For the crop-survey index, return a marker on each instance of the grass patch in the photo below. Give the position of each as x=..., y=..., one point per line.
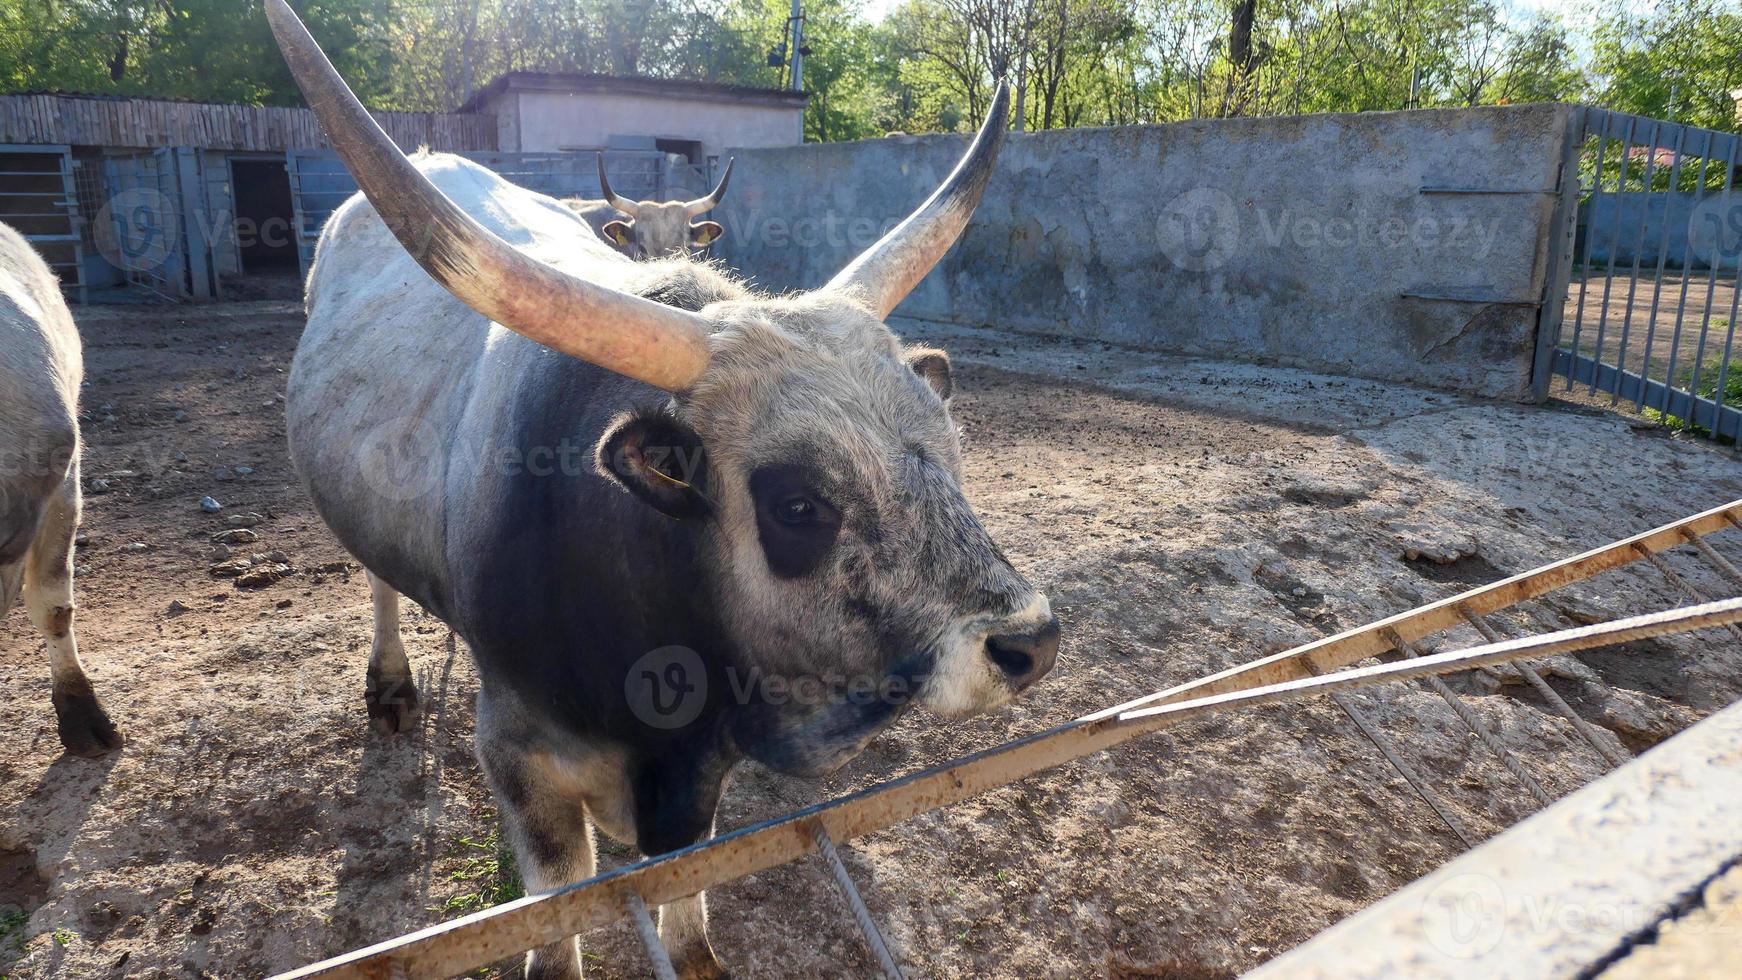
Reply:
x=487, y=875
x=1707, y=388
x=12, y=922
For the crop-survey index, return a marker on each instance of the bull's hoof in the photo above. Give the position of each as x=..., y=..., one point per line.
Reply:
x=394, y=705
x=700, y=966
x=85, y=728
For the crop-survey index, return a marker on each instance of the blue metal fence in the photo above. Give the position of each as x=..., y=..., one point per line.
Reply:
x=1644, y=304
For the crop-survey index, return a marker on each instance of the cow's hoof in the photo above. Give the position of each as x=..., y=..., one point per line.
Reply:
x=85, y=728
x=700, y=966
x=394, y=705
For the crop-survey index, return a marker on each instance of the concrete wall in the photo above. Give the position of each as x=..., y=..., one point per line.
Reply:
x=1702, y=230
x=542, y=122
x=1293, y=240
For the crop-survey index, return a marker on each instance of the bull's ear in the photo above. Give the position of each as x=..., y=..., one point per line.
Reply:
x=616, y=231
x=933, y=366
x=659, y=459
x=706, y=232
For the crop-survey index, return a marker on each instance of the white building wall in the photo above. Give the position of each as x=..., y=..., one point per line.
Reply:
x=554, y=121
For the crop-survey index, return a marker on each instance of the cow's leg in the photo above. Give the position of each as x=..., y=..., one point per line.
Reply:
x=674, y=808
x=683, y=928
x=544, y=814
x=85, y=728
x=390, y=694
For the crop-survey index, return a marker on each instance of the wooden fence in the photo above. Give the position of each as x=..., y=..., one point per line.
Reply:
x=102, y=121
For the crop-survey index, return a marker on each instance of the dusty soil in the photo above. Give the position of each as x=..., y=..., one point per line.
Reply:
x=1627, y=313
x=1185, y=515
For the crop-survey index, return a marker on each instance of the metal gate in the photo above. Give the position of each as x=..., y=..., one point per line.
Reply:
x=38, y=199
x=319, y=182
x=140, y=228
x=1643, y=304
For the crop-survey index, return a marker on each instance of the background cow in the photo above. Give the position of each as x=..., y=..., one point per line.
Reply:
x=41, y=368
x=761, y=548
x=655, y=229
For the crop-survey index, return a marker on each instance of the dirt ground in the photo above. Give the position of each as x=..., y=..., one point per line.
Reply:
x=1643, y=312
x=1184, y=515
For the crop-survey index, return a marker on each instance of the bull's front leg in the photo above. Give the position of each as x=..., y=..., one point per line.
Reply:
x=675, y=799
x=544, y=814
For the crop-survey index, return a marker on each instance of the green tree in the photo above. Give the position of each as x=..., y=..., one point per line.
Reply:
x=1680, y=60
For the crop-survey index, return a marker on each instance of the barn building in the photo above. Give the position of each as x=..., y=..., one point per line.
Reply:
x=194, y=200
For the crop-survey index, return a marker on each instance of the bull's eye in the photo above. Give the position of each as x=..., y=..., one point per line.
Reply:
x=796, y=511
x=797, y=527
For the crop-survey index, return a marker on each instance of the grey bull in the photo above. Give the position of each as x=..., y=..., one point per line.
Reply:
x=655, y=229
x=41, y=369
x=678, y=524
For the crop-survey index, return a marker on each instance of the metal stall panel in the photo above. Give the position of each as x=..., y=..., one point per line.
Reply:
x=142, y=227
x=39, y=200
x=319, y=182
x=1650, y=267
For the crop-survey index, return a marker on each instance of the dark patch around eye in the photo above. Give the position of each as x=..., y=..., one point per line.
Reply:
x=795, y=539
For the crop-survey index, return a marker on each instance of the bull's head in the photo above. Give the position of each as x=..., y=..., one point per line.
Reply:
x=836, y=544
x=658, y=229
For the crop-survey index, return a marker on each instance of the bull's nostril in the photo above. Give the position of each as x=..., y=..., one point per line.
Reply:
x=1025, y=657
x=1011, y=654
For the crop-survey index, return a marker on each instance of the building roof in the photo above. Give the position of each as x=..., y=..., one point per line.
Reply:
x=663, y=88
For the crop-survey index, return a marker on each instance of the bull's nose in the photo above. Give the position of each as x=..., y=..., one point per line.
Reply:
x=1025, y=657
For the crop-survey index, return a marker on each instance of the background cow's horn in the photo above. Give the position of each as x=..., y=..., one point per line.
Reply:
x=632, y=336
x=886, y=272
x=704, y=204
x=622, y=204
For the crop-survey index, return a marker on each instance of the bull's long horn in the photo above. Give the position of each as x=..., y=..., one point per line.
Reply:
x=632, y=336
x=886, y=272
x=703, y=204
x=622, y=204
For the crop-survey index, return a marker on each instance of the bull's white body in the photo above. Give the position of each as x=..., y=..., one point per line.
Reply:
x=392, y=368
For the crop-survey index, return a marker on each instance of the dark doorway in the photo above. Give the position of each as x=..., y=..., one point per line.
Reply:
x=690, y=150
x=264, y=233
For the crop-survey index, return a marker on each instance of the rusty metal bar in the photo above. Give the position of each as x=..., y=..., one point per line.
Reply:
x=1692, y=591
x=1434, y=801
x=1717, y=561
x=1473, y=722
x=861, y=914
x=1617, y=756
x=484, y=937
x=1365, y=641
x=649, y=933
